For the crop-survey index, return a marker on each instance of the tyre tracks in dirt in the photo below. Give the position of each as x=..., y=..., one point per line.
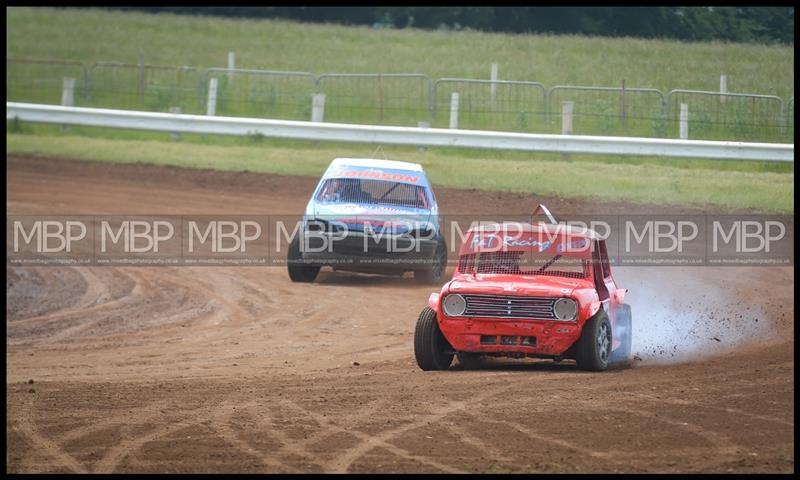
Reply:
x=188, y=369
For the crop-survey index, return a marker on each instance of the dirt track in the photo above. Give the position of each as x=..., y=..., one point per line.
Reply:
x=221, y=369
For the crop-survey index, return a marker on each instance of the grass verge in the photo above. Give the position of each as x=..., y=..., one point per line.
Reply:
x=581, y=177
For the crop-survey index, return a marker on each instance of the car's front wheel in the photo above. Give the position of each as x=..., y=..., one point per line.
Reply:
x=594, y=346
x=298, y=271
x=431, y=349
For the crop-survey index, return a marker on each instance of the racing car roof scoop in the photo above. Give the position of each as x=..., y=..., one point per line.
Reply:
x=541, y=209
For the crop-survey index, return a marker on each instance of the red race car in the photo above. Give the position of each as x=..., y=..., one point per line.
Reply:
x=540, y=290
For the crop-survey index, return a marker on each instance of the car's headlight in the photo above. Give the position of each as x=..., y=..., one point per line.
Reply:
x=565, y=309
x=454, y=305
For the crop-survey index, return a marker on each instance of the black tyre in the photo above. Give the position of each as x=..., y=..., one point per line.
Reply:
x=298, y=271
x=432, y=350
x=623, y=331
x=470, y=360
x=435, y=272
x=594, y=346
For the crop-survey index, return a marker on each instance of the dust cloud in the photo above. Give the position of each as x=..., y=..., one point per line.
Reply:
x=679, y=316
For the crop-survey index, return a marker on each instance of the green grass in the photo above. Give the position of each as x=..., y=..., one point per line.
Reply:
x=166, y=39
x=95, y=35
x=532, y=174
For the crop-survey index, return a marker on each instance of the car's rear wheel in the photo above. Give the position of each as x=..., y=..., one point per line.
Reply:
x=435, y=272
x=623, y=331
x=431, y=349
x=298, y=271
x=594, y=349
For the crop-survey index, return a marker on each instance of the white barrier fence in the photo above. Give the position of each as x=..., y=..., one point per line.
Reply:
x=430, y=137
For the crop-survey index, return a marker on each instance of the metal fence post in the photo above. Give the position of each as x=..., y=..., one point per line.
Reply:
x=493, y=86
x=454, y=110
x=68, y=93
x=380, y=97
x=231, y=63
x=431, y=101
x=422, y=124
x=68, y=96
x=684, y=129
x=318, y=107
x=624, y=115
x=547, y=108
x=723, y=88
x=211, y=106
x=566, y=118
x=202, y=95
x=175, y=135
x=141, y=81
x=566, y=124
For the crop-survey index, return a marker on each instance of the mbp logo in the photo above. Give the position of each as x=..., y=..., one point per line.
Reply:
x=663, y=236
x=137, y=240
x=225, y=240
x=235, y=235
x=749, y=236
x=48, y=236
x=396, y=236
x=49, y=240
x=662, y=240
x=137, y=236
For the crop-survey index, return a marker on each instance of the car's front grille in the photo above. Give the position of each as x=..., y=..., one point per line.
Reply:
x=500, y=306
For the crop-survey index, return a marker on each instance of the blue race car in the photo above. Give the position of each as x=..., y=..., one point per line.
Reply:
x=370, y=216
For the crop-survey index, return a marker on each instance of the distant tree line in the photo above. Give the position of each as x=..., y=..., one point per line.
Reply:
x=736, y=24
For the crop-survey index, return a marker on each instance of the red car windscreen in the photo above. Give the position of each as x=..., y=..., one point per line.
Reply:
x=517, y=252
